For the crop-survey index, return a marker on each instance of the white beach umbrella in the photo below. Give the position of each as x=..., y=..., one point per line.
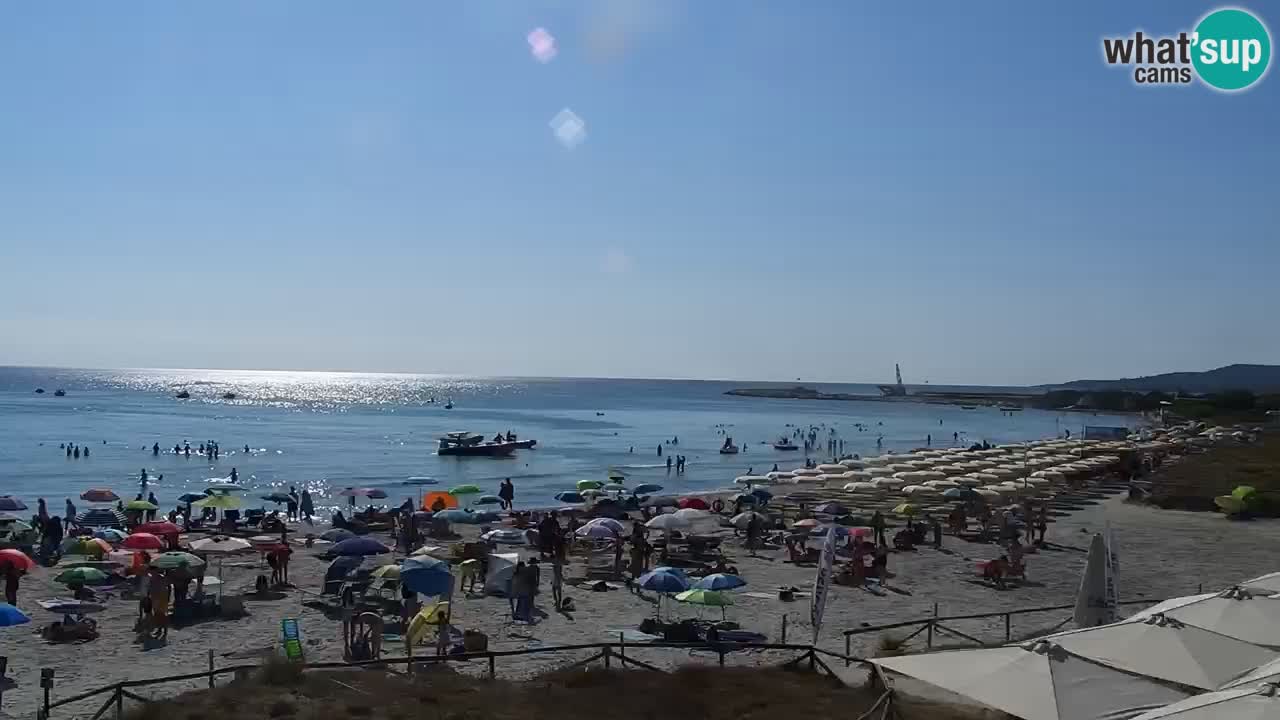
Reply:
x=752, y=480
x=779, y=475
x=806, y=471
x=879, y=472
x=1166, y=649
x=951, y=469
x=985, y=477
x=888, y=482
x=860, y=474
x=860, y=486
x=942, y=484
x=878, y=461
x=853, y=464
x=988, y=493
x=967, y=480
x=693, y=515
x=667, y=522
x=900, y=467
x=1236, y=613
x=1035, y=681
x=829, y=468
x=914, y=490
x=1263, y=583
x=1251, y=702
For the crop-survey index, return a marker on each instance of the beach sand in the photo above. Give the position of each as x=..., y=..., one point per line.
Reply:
x=1161, y=553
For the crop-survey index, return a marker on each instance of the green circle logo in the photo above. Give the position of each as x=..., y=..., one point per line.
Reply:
x=1232, y=49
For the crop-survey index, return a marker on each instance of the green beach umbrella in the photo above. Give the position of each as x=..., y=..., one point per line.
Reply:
x=708, y=598
x=82, y=575
x=590, y=484
x=171, y=560
x=465, y=490
x=140, y=505
x=219, y=502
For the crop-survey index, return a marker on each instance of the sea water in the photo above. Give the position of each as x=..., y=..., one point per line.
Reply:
x=330, y=431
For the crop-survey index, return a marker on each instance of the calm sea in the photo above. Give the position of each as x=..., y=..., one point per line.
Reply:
x=329, y=431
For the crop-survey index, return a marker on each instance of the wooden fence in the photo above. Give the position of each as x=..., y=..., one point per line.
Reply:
x=606, y=653
x=934, y=625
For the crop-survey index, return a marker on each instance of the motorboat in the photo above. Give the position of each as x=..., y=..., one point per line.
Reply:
x=784, y=443
x=462, y=437
x=448, y=405
x=968, y=407
x=228, y=396
x=39, y=391
x=59, y=393
x=728, y=448
x=183, y=395
x=1010, y=408
x=484, y=449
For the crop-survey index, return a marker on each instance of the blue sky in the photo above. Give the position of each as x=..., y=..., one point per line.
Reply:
x=767, y=190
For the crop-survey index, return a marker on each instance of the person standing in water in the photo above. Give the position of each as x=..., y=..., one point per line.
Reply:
x=306, y=507
x=235, y=475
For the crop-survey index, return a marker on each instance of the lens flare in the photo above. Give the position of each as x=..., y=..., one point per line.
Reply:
x=542, y=45
x=569, y=129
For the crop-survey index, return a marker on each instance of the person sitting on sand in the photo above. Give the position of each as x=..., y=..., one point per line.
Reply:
x=996, y=570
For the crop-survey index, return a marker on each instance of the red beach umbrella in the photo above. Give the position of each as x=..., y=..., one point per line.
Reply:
x=143, y=541
x=696, y=503
x=159, y=527
x=16, y=558
x=99, y=495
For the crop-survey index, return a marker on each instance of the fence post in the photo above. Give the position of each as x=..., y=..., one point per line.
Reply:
x=210, y=669
x=784, y=628
x=847, y=650
x=119, y=703
x=608, y=655
x=929, y=628
x=46, y=683
x=720, y=652
x=1008, y=627
x=622, y=648
x=4, y=667
x=493, y=670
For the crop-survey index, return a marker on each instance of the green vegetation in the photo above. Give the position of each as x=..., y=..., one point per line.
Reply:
x=1194, y=481
x=439, y=693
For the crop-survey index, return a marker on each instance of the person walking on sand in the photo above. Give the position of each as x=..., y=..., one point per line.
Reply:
x=877, y=524
x=11, y=576
x=507, y=494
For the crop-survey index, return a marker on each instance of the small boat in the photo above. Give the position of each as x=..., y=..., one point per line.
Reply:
x=1009, y=408
x=487, y=449
x=968, y=407
x=228, y=396
x=183, y=395
x=59, y=393
x=524, y=444
x=39, y=391
x=784, y=443
x=462, y=437
x=448, y=405
x=728, y=448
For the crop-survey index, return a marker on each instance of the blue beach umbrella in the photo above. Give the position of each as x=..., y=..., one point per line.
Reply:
x=191, y=497
x=570, y=497
x=746, y=499
x=426, y=575
x=663, y=582
x=111, y=535
x=962, y=493
x=11, y=504
x=830, y=508
x=762, y=495
x=719, y=581
x=646, y=489
x=337, y=535
x=10, y=616
x=358, y=546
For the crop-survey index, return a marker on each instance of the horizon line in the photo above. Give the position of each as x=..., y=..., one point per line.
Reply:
x=508, y=377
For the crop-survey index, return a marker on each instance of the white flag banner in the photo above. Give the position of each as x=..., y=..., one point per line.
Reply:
x=822, y=582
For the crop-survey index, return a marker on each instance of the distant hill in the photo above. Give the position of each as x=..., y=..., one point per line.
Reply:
x=1258, y=378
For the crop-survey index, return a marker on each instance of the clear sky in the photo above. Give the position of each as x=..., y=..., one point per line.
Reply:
x=766, y=190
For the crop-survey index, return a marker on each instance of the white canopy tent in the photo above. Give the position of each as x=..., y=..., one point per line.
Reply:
x=1269, y=673
x=1036, y=681
x=1265, y=583
x=1165, y=649
x=1235, y=613
x=1257, y=702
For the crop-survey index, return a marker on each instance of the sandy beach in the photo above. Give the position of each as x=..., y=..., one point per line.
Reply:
x=1162, y=554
